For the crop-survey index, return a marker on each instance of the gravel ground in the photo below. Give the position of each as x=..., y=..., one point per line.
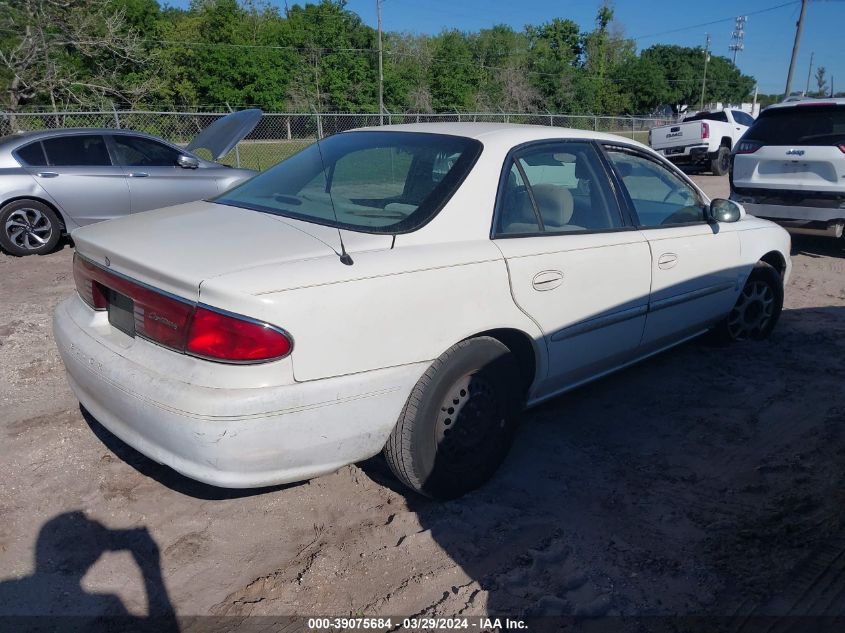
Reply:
x=709, y=480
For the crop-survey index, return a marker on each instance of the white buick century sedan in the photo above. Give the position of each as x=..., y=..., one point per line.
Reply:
x=406, y=289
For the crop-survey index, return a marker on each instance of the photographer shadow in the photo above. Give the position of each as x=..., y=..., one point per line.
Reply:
x=68, y=545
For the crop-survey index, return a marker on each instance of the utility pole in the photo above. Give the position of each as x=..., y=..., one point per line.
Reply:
x=736, y=44
x=798, y=27
x=809, y=72
x=380, y=68
x=706, y=61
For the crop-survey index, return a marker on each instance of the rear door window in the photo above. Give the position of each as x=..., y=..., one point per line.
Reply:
x=557, y=188
x=77, y=151
x=32, y=155
x=800, y=125
x=743, y=118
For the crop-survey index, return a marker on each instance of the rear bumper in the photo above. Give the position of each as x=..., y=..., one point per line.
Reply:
x=233, y=438
x=686, y=154
x=781, y=212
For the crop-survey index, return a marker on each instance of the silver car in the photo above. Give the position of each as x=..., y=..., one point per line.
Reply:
x=54, y=181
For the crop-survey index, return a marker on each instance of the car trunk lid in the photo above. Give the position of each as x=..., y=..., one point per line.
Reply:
x=177, y=248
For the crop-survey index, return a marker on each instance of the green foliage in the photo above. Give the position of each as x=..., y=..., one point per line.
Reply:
x=322, y=56
x=684, y=68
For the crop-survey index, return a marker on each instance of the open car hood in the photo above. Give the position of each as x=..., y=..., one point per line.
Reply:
x=220, y=137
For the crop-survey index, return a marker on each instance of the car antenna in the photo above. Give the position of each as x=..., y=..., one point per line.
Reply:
x=345, y=258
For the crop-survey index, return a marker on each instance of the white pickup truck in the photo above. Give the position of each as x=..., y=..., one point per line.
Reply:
x=704, y=139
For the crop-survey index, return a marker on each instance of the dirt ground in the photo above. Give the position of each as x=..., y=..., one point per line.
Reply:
x=709, y=480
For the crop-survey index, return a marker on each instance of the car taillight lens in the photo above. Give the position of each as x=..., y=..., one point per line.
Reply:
x=842, y=148
x=747, y=147
x=89, y=290
x=230, y=338
x=705, y=130
x=182, y=325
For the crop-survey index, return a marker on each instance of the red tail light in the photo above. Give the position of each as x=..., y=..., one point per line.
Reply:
x=842, y=148
x=182, y=325
x=747, y=147
x=225, y=337
x=705, y=129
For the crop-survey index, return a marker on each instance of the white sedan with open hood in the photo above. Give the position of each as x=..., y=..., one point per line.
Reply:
x=406, y=289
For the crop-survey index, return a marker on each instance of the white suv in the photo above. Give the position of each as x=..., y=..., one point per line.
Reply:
x=789, y=167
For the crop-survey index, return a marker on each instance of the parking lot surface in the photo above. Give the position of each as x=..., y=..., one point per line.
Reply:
x=706, y=480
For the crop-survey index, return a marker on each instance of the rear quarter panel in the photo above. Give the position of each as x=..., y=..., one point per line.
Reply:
x=16, y=183
x=391, y=307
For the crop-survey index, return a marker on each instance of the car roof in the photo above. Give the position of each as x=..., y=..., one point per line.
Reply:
x=507, y=133
x=808, y=101
x=24, y=137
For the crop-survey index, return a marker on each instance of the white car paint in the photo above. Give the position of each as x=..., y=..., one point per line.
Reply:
x=365, y=333
x=799, y=184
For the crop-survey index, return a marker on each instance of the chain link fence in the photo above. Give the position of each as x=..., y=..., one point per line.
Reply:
x=282, y=134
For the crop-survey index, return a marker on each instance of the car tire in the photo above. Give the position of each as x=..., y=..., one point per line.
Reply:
x=29, y=227
x=757, y=308
x=720, y=163
x=457, y=426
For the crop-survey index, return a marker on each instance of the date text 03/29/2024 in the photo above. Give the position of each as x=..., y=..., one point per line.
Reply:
x=481, y=624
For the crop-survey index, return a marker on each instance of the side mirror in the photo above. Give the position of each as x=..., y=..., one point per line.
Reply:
x=187, y=162
x=722, y=210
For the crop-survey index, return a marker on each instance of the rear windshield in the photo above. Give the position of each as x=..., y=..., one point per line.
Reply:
x=376, y=182
x=708, y=116
x=799, y=125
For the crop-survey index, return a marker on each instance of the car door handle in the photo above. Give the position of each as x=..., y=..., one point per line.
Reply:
x=47, y=174
x=138, y=174
x=667, y=260
x=547, y=280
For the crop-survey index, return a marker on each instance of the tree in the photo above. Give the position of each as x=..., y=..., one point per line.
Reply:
x=821, y=81
x=683, y=68
x=454, y=73
x=61, y=52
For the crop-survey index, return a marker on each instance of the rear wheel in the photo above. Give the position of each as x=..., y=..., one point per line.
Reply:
x=457, y=425
x=757, y=308
x=28, y=227
x=720, y=163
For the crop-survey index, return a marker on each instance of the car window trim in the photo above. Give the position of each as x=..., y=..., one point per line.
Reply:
x=512, y=154
x=659, y=160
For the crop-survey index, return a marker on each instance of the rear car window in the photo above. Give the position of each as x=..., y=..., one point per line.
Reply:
x=76, y=151
x=708, y=116
x=800, y=125
x=32, y=154
x=375, y=182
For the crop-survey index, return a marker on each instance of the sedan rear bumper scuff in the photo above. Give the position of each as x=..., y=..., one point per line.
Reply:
x=234, y=438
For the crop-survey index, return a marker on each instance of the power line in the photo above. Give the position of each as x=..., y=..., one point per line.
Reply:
x=712, y=22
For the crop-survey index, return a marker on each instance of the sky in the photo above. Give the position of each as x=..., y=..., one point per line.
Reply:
x=769, y=34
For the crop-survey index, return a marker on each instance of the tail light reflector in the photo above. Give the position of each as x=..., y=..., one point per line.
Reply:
x=842, y=148
x=182, y=325
x=705, y=129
